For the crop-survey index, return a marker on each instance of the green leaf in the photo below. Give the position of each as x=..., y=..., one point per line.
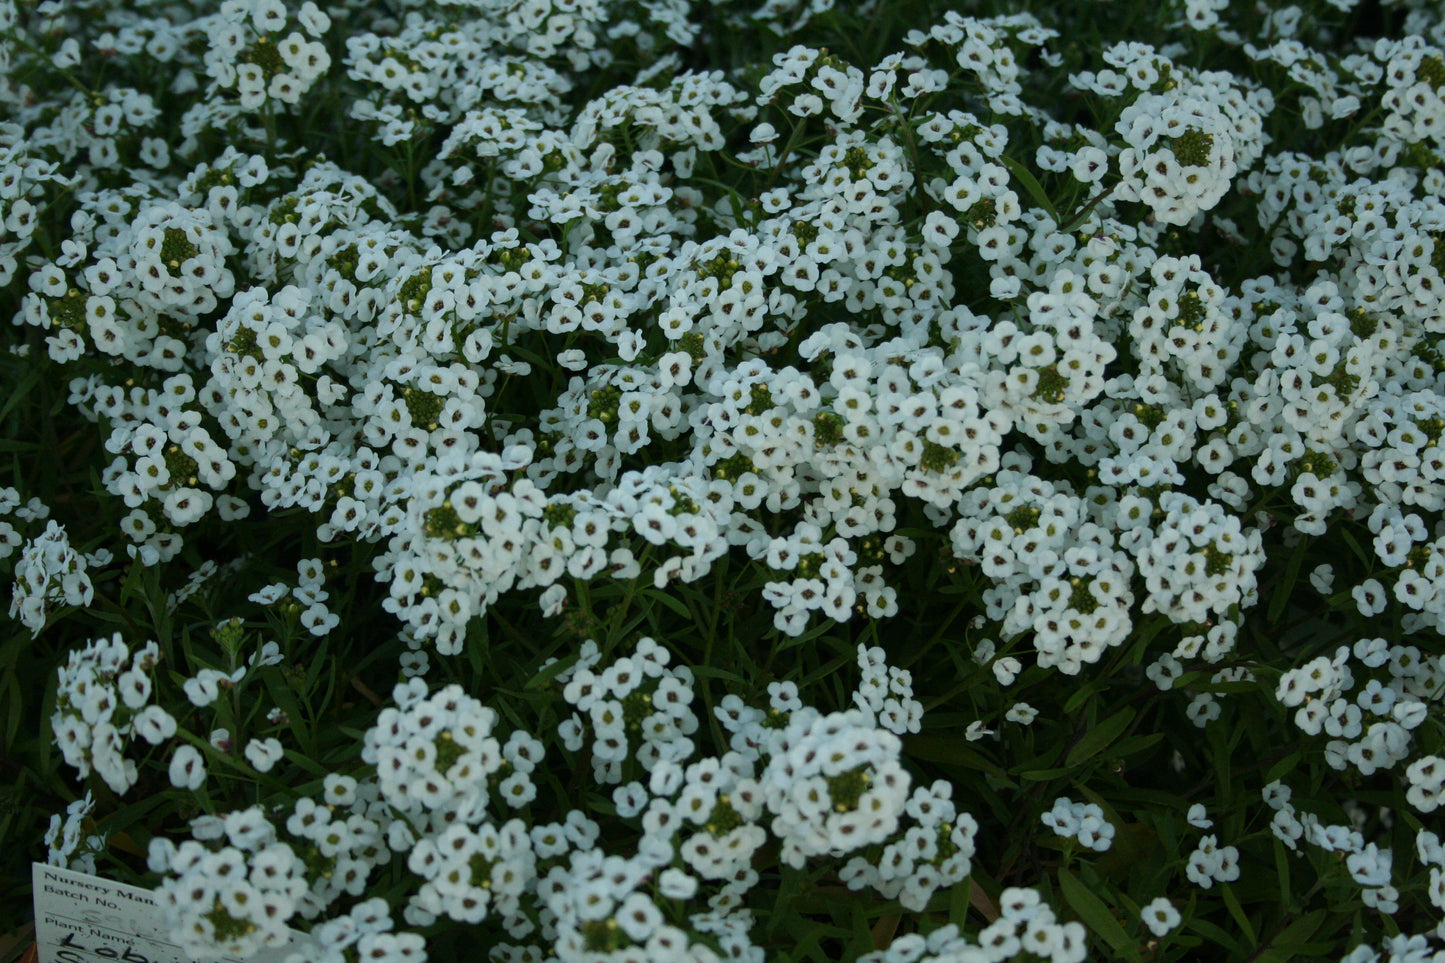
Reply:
x=1097, y=739
x=1293, y=940
x=1284, y=588
x=1096, y=916
x=1231, y=903
x=713, y=672
x=551, y=672
x=1354, y=545
x=1082, y=695
x=1031, y=185
x=304, y=761
x=1134, y=744
x=949, y=750
x=16, y=700
x=1215, y=934
x=1281, y=870
x=285, y=698
x=1043, y=775
x=18, y=392
x=668, y=601
x=1142, y=637
x=1284, y=767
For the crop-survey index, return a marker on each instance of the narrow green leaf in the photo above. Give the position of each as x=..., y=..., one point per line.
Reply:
x=1231, y=903
x=550, y=672
x=1031, y=185
x=713, y=672
x=949, y=750
x=1354, y=545
x=287, y=702
x=823, y=671
x=304, y=761
x=1135, y=744
x=1081, y=695
x=1097, y=739
x=1281, y=870
x=18, y=392
x=1043, y=775
x=1216, y=935
x=1142, y=637
x=666, y=600
x=1096, y=916
x=1292, y=943
x=1284, y=588
x=1284, y=767
x=16, y=701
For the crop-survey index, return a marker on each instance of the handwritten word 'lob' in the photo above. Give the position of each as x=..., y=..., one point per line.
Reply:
x=66, y=952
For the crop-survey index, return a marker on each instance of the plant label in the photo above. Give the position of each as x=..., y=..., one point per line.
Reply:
x=86, y=919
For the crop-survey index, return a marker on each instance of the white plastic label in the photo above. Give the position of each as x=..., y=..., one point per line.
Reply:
x=87, y=919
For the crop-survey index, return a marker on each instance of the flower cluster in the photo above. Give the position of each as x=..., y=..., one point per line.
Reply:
x=24, y=180
x=1187, y=134
x=1371, y=730
x=240, y=878
x=249, y=56
x=48, y=573
x=1025, y=924
x=66, y=841
x=1211, y=863
x=104, y=701
x=1082, y=821
x=831, y=783
x=521, y=348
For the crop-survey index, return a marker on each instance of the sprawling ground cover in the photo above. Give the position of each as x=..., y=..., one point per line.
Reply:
x=642, y=480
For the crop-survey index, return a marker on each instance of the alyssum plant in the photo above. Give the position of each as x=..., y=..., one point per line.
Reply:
x=887, y=484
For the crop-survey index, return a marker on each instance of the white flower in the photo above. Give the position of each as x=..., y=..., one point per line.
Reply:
x=977, y=730
x=188, y=769
x=1006, y=670
x=263, y=754
x=203, y=688
x=154, y=724
x=1022, y=713
x=1160, y=916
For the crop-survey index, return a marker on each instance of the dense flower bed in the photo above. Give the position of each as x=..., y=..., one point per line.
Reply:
x=642, y=480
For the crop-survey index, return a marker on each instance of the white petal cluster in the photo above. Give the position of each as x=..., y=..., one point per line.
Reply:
x=887, y=692
x=593, y=325
x=48, y=573
x=1369, y=718
x=364, y=932
x=1082, y=821
x=933, y=853
x=1025, y=925
x=66, y=840
x=1211, y=863
x=833, y=785
x=1187, y=134
x=237, y=892
x=1199, y=561
x=258, y=51
x=474, y=873
x=812, y=785
x=1054, y=568
x=103, y=702
x=639, y=707
x=435, y=757
x=25, y=174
